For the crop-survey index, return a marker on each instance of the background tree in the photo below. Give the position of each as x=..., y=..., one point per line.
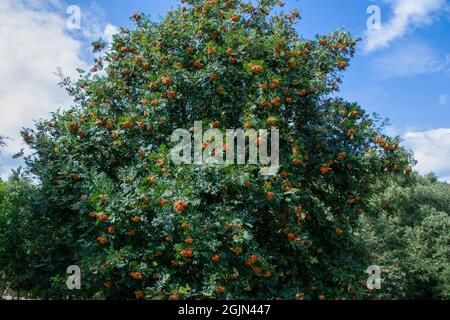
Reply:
x=408, y=235
x=17, y=231
x=140, y=226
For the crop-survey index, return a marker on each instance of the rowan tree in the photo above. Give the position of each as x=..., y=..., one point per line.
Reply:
x=140, y=226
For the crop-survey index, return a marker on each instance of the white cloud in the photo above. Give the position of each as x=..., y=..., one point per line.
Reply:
x=407, y=14
x=34, y=42
x=411, y=59
x=443, y=99
x=93, y=25
x=109, y=31
x=432, y=151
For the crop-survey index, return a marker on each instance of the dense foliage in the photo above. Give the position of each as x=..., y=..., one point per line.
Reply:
x=110, y=200
x=409, y=237
x=16, y=232
x=405, y=232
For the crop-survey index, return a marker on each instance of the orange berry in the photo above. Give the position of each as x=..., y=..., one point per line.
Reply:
x=198, y=65
x=136, y=275
x=380, y=140
x=186, y=227
x=75, y=177
x=166, y=81
x=163, y=202
x=220, y=90
x=342, y=156
x=234, y=18
x=139, y=294
x=256, y=68
x=174, y=296
x=157, y=253
x=253, y=259
x=102, y=217
x=276, y=101
x=102, y=240
x=257, y=270
x=171, y=94
x=342, y=64
x=220, y=289
x=180, y=206
x=271, y=121
x=127, y=124
x=237, y=251
x=274, y=84
x=324, y=170
x=300, y=296
x=111, y=230
x=187, y=253
x=211, y=50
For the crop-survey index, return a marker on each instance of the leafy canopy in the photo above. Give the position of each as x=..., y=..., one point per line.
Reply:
x=140, y=226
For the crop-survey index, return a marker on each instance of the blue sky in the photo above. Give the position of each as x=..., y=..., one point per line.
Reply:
x=401, y=70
